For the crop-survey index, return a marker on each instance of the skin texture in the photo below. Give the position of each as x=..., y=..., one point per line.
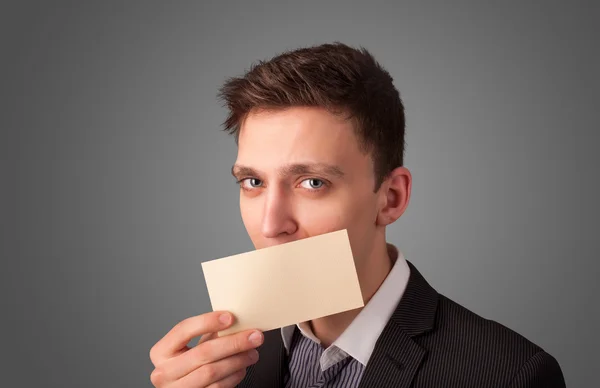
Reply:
x=302, y=173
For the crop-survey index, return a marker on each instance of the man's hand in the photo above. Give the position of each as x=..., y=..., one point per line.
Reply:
x=214, y=362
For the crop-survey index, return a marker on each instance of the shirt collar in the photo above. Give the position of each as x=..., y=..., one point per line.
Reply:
x=359, y=338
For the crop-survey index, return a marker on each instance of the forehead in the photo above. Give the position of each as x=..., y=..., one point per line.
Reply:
x=268, y=139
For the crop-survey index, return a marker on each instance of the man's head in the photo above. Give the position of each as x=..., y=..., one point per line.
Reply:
x=320, y=135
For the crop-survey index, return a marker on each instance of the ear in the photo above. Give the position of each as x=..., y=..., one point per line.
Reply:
x=395, y=195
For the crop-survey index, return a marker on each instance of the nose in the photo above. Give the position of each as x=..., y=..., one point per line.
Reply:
x=278, y=217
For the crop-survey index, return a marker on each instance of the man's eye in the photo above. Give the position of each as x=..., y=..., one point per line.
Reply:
x=251, y=182
x=312, y=183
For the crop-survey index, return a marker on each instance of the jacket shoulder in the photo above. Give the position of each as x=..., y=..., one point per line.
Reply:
x=463, y=327
x=477, y=350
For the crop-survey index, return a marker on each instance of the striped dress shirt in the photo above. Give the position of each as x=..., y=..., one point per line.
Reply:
x=342, y=364
x=305, y=370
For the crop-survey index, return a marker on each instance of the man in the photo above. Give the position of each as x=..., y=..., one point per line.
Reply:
x=320, y=135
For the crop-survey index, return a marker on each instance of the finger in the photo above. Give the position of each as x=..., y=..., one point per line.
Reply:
x=220, y=372
x=222, y=347
x=209, y=352
x=207, y=337
x=230, y=381
x=182, y=333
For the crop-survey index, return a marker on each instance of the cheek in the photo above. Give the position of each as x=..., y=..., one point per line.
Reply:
x=251, y=214
x=360, y=222
x=343, y=212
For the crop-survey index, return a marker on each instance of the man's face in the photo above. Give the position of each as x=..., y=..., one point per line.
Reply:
x=302, y=174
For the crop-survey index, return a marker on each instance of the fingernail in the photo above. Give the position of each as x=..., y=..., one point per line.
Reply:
x=253, y=355
x=255, y=338
x=225, y=319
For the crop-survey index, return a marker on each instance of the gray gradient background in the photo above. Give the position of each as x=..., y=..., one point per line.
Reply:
x=118, y=185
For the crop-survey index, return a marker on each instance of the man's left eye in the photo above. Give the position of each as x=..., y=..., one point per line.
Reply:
x=312, y=183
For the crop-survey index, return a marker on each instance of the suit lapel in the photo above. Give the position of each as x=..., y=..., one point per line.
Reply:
x=270, y=370
x=396, y=356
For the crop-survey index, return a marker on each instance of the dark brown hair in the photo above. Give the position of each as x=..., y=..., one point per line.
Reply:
x=333, y=76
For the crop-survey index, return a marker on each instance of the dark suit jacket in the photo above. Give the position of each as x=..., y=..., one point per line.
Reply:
x=431, y=341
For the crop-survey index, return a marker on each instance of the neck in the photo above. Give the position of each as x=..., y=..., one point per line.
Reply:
x=371, y=275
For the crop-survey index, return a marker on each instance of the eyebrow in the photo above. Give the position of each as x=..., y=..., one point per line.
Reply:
x=293, y=169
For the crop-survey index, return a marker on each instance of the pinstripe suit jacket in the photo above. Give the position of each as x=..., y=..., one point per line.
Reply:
x=431, y=341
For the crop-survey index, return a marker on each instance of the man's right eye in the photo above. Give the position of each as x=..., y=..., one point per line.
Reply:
x=251, y=183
